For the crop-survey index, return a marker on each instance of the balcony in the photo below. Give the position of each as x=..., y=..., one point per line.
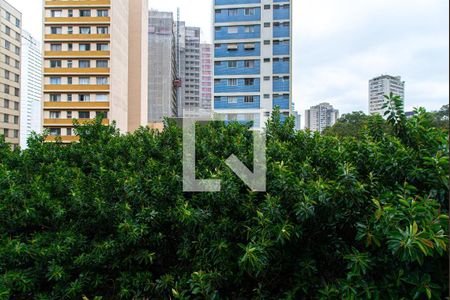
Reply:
x=223, y=103
x=281, y=101
x=76, y=105
x=241, y=68
x=281, y=66
x=237, y=32
x=77, y=3
x=239, y=15
x=282, y=30
x=222, y=86
x=78, y=20
x=281, y=84
x=77, y=37
x=72, y=54
x=75, y=88
x=64, y=71
x=69, y=122
x=281, y=12
x=239, y=51
x=281, y=48
x=234, y=2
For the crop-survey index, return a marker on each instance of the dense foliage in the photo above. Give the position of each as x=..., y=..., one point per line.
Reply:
x=347, y=218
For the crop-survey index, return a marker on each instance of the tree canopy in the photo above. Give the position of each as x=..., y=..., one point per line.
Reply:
x=342, y=218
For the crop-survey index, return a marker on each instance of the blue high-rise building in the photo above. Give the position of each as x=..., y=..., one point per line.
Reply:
x=252, y=59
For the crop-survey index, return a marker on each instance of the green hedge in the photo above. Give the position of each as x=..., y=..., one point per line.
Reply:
x=106, y=218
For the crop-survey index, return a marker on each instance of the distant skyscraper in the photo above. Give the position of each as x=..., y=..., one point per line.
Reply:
x=206, y=78
x=31, y=88
x=381, y=86
x=10, y=49
x=252, y=59
x=321, y=116
x=298, y=121
x=190, y=98
x=162, y=70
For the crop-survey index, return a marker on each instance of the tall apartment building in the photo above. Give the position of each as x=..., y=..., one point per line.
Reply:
x=206, y=76
x=91, y=47
x=321, y=116
x=381, y=86
x=10, y=60
x=162, y=71
x=190, y=97
x=252, y=59
x=31, y=88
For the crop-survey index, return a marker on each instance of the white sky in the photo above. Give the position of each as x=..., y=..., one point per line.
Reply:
x=340, y=44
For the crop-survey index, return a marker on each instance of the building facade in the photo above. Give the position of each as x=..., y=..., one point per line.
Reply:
x=382, y=86
x=321, y=116
x=206, y=76
x=87, y=50
x=10, y=73
x=31, y=88
x=162, y=67
x=252, y=59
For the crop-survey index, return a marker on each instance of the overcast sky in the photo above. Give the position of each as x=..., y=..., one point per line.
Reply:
x=340, y=44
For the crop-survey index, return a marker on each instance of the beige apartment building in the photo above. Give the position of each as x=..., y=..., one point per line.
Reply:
x=94, y=54
x=10, y=47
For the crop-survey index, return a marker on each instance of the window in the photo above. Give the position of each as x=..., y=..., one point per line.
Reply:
x=84, y=64
x=17, y=50
x=266, y=60
x=232, y=82
x=249, y=81
x=233, y=29
x=17, y=64
x=266, y=96
x=84, y=98
x=69, y=80
x=17, y=92
x=55, y=47
x=69, y=97
x=6, y=132
x=102, y=47
x=249, y=63
x=249, y=99
x=55, y=80
x=85, y=30
x=232, y=64
x=102, y=30
x=16, y=106
x=102, y=80
x=249, y=46
x=55, y=98
x=267, y=24
x=7, y=74
x=250, y=11
x=6, y=89
x=5, y=118
x=70, y=47
x=55, y=64
x=16, y=133
x=7, y=16
x=6, y=103
x=102, y=97
x=102, y=63
x=84, y=80
x=69, y=64
x=267, y=6
x=85, y=12
x=267, y=42
x=232, y=47
x=55, y=115
x=55, y=131
x=70, y=30
x=56, y=13
x=85, y=47
x=56, y=30
x=69, y=115
x=70, y=13
x=233, y=12
x=7, y=45
x=7, y=30
x=17, y=23
x=232, y=100
x=7, y=59
x=83, y=115
x=102, y=13
x=69, y=131
x=249, y=29
x=266, y=78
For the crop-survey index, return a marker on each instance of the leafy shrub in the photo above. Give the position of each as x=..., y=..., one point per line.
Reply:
x=106, y=218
